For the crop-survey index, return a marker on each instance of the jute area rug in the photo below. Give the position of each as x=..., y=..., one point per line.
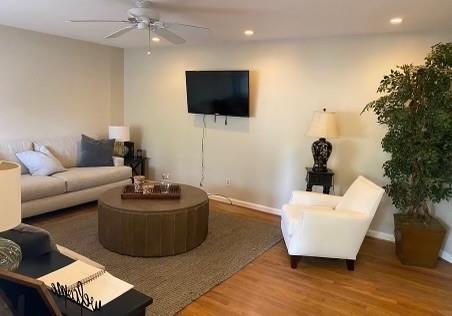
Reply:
x=174, y=282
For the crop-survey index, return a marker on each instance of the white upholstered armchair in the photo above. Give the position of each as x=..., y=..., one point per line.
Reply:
x=320, y=225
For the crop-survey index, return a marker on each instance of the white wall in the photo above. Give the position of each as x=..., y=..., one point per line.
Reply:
x=265, y=155
x=53, y=86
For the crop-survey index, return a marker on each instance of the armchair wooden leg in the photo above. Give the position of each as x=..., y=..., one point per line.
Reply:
x=350, y=264
x=294, y=261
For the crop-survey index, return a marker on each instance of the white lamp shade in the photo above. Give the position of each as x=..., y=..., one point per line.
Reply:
x=10, y=203
x=323, y=124
x=119, y=133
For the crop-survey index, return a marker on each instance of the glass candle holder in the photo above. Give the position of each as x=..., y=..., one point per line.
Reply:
x=165, y=184
x=138, y=182
x=148, y=188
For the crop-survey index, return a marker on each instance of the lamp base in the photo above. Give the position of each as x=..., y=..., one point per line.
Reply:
x=321, y=151
x=10, y=255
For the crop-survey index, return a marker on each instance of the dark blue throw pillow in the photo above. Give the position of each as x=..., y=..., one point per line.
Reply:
x=96, y=153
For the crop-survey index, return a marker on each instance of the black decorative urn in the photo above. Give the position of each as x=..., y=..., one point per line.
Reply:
x=321, y=151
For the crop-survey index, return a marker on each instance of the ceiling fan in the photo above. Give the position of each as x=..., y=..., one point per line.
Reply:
x=144, y=17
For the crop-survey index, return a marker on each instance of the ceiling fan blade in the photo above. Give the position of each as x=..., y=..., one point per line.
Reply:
x=120, y=32
x=186, y=25
x=95, y=21
x=168, y=35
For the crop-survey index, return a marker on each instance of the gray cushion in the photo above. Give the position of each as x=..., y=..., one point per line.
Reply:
x=96, y=153
x=37, y=187
x=83, y=178
x=65, y=148
x=33, y=241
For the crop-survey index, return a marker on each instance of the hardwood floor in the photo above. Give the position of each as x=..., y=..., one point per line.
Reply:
x=380, y=285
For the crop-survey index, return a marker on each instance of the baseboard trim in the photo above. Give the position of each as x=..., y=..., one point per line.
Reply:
x=445, y=256
x=380, y=235
x=270, y=210
x=250, y=205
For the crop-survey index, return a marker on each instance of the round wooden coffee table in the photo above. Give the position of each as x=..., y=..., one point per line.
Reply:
x=153, y=228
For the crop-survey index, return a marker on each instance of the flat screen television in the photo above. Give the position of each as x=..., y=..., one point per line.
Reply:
x=218, y=92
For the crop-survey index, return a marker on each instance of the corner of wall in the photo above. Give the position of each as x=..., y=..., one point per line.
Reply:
x=116, y=86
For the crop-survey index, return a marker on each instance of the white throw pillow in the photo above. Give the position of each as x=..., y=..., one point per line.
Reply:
x=40, y=162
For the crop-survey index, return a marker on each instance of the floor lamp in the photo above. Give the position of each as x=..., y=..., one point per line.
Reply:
x=10, y=210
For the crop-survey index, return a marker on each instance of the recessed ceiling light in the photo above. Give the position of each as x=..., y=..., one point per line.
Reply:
x=249, y=32
x=156, y=39
x=396, y=20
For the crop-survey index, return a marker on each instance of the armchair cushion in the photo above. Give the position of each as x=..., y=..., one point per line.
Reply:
x=314, y=199
x=362, y=196
x=292, y=214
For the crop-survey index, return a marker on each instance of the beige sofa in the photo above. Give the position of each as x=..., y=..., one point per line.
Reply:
x=72, y=187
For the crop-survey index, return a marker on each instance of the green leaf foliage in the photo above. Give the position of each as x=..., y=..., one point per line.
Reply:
x=417, y=109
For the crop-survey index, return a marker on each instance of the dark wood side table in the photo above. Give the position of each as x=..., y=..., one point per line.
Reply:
x=324, y=179
x=138, y=165
x=131, y=303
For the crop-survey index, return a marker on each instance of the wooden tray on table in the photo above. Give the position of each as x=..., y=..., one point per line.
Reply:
x=174, y=192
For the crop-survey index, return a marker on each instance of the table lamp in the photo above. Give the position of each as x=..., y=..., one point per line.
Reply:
x=323, y=125
x=10, y=210
x=121, y=135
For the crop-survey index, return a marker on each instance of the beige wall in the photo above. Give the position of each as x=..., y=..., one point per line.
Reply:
x=53, y=86
x=264, y=156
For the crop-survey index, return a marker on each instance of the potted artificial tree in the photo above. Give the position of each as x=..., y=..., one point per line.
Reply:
x=417, y=110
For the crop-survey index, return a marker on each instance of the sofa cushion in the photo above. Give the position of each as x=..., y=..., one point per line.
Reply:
x=66, y=149
x=80, y=178
x=8, y=150
x=37, y=187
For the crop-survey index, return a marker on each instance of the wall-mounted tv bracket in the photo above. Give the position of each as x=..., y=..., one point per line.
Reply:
x=225, y=119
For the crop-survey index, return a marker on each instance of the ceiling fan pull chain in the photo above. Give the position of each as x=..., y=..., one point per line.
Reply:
x=149, y=40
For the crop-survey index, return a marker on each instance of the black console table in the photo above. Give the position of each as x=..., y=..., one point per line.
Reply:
x=138, y=165
x=131, y=303
x=324, y=179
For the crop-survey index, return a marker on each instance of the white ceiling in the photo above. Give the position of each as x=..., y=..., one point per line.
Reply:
x=227, y=19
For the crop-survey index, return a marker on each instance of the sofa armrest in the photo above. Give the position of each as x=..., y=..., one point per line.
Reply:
x=314, y=199
x=118, y=161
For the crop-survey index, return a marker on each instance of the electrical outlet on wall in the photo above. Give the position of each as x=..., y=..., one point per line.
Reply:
x=228, y=181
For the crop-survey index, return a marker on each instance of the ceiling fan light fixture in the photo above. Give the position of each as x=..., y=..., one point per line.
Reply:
x=142, y=25
x=395, y=21
x=145, y=17
x=143, y=12
x=148, y=53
